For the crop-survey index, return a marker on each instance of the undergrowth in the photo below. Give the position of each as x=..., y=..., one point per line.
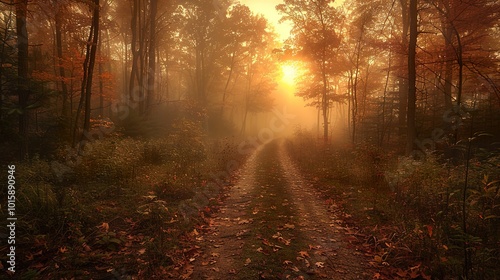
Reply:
x=119, y=209
x=412, y=212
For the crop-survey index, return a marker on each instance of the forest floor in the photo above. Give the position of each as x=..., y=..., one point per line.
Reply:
x=274, y=225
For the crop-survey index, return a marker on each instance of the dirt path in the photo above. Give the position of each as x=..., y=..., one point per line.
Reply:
x=274, y=226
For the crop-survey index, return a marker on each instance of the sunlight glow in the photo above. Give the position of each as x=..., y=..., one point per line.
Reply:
x=290, y=73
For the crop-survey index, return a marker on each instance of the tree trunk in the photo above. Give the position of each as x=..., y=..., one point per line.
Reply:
x=325, y=105
x=403, y=78
x=133, y=50
x=2, y=61
x=88, y=71
x=412, y=78
x=152, y=55
x=93, y=51
x=101, y=81
x=62, y=73
x=448, y=75
x=231, y=68
x=22, y=72
x=325, y=99
x=384, y=102
x=460, y=82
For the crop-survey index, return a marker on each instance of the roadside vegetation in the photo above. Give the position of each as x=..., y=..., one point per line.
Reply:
x=436, y=217
x=121, y=208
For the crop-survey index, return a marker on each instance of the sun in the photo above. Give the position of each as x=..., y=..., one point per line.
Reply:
x=290, y=73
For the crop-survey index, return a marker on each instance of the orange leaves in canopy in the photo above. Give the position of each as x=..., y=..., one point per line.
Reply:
x=72, y=64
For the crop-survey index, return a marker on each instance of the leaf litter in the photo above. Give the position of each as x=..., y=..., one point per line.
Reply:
x=251, y=247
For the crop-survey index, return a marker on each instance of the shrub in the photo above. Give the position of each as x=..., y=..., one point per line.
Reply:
x=109, y=160
x=422, y=202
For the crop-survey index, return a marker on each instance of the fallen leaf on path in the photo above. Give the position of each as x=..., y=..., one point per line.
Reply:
x=104, y=226
x=284, y=241
x=243, y=222
x=304, y=254
x=266, y=242
x=287, y=262
x=320, y=264
x=289, y=226
x=63, y=249
x=247, y=261
x=402, y=273
x=429, y=230
x=317, y=247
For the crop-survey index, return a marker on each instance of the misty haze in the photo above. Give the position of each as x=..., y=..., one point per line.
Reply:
x=251, y=139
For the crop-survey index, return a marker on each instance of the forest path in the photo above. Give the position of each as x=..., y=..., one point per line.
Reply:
x=273, y=225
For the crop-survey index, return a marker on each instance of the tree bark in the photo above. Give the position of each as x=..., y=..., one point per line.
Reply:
x=152, y=54
x=403, y=79
x=88, y=71
x=22, y=78
x=133, y=49
x=62, y=73
x=325, y=102
x=449, y=57
x=93, y=51
x=2, y=61
x=412, y=78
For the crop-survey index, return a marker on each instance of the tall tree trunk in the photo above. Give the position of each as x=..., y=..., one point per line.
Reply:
x=412, y=78
x=2, y=61
x=460, y=61
x=384, y=102
x=448, y=75
x=88, y=71
x=224, y=93
x=354, y=107
x=325, y=99
x=93, y=51
x=101, y=80
x=133, y=50
x=62, y=73
x=325, y=104
x=152, y=54
x=110, y=67
x=22, y=72
x=403, y=78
